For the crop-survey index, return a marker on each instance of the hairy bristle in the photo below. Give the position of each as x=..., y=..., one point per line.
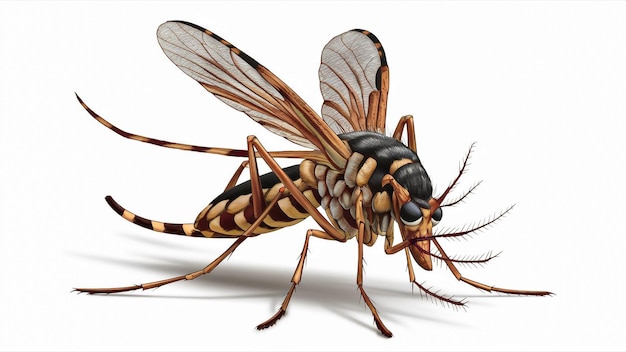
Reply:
x=436, y=297
x=461, y=198
x=462, y=170
x=466, y=260
x=471, y=228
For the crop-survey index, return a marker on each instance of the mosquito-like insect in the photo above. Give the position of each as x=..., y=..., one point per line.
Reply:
x=365, y=181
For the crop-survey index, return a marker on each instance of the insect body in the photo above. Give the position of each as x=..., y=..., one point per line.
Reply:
x=365, y=181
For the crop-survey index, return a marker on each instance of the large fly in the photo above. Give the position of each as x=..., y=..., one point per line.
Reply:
x=365, y=181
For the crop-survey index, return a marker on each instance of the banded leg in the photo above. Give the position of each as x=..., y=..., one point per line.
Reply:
x=198, y=273
x=295, y=280
x=479, y=285
x=313, y=155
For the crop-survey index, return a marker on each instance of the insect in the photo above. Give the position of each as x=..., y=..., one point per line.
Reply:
x=365, y=181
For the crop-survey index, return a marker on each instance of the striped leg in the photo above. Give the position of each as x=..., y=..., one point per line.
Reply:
x=295, y=280
x=195, y=148
x=261, y=212
x=194, y=274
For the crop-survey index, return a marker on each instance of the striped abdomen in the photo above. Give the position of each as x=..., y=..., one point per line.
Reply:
x=231, y=213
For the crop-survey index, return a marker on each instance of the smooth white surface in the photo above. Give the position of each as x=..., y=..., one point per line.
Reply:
x=541, y=86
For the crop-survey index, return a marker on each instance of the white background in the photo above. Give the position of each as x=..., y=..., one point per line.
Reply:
x=541, y=86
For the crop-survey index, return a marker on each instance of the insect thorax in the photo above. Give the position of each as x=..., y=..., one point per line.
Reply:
x=373, y=156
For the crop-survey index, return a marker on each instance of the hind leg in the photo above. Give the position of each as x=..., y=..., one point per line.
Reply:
x=295, y=280
x=194, y=274
x=236, y=175
x=190, y=147
x=160, y=283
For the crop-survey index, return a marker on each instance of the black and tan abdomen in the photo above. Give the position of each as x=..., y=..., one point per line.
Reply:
x=231, y=213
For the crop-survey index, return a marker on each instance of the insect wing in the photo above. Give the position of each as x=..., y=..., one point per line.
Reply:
x=354, y=80
x=244, y=84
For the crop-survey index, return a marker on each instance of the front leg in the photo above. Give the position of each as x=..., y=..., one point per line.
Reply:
x=479, y=285
x=360, y=218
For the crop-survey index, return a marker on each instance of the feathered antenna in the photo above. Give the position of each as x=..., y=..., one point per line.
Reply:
x=468, y=229
x=462, y=198
x=473, y=260
x=461, y=172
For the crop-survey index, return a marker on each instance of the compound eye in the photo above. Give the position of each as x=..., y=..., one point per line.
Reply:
x=436, y=216
x=411, y=214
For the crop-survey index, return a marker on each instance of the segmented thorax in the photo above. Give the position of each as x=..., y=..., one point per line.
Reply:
x=373, y=156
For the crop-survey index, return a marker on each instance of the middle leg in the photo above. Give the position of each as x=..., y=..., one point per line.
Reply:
x=295, y=280
x=360, y=218
x=194, y=274
x=482, y=286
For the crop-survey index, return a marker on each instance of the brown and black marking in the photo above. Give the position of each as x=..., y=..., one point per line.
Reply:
x=252, y=62
x=231, y=213
x=365, y=181
x=175, y=229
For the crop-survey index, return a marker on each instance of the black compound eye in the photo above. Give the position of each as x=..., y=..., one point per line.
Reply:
x=411, y=214
x=436, y=216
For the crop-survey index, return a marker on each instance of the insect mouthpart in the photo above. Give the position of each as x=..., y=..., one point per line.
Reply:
x=418, y=231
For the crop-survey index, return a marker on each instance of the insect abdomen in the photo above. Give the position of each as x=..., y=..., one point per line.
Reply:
x=231, y=213
x=166, y=227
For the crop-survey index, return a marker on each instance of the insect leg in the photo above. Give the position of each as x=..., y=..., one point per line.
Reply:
x=160, y=283
x=314, y=155
x=295, y=280
x=409, y=265
x=194, y=274
x=257, y=192
x=328, y=228
x=296, y=193
x=236, y=175
x=427, y=291
x=479, y=285
x=406, y=122
x=359, y=276
x=390, y=249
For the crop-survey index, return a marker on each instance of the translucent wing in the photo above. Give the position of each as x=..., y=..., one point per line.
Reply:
x=244, y=84
x=354, y=79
